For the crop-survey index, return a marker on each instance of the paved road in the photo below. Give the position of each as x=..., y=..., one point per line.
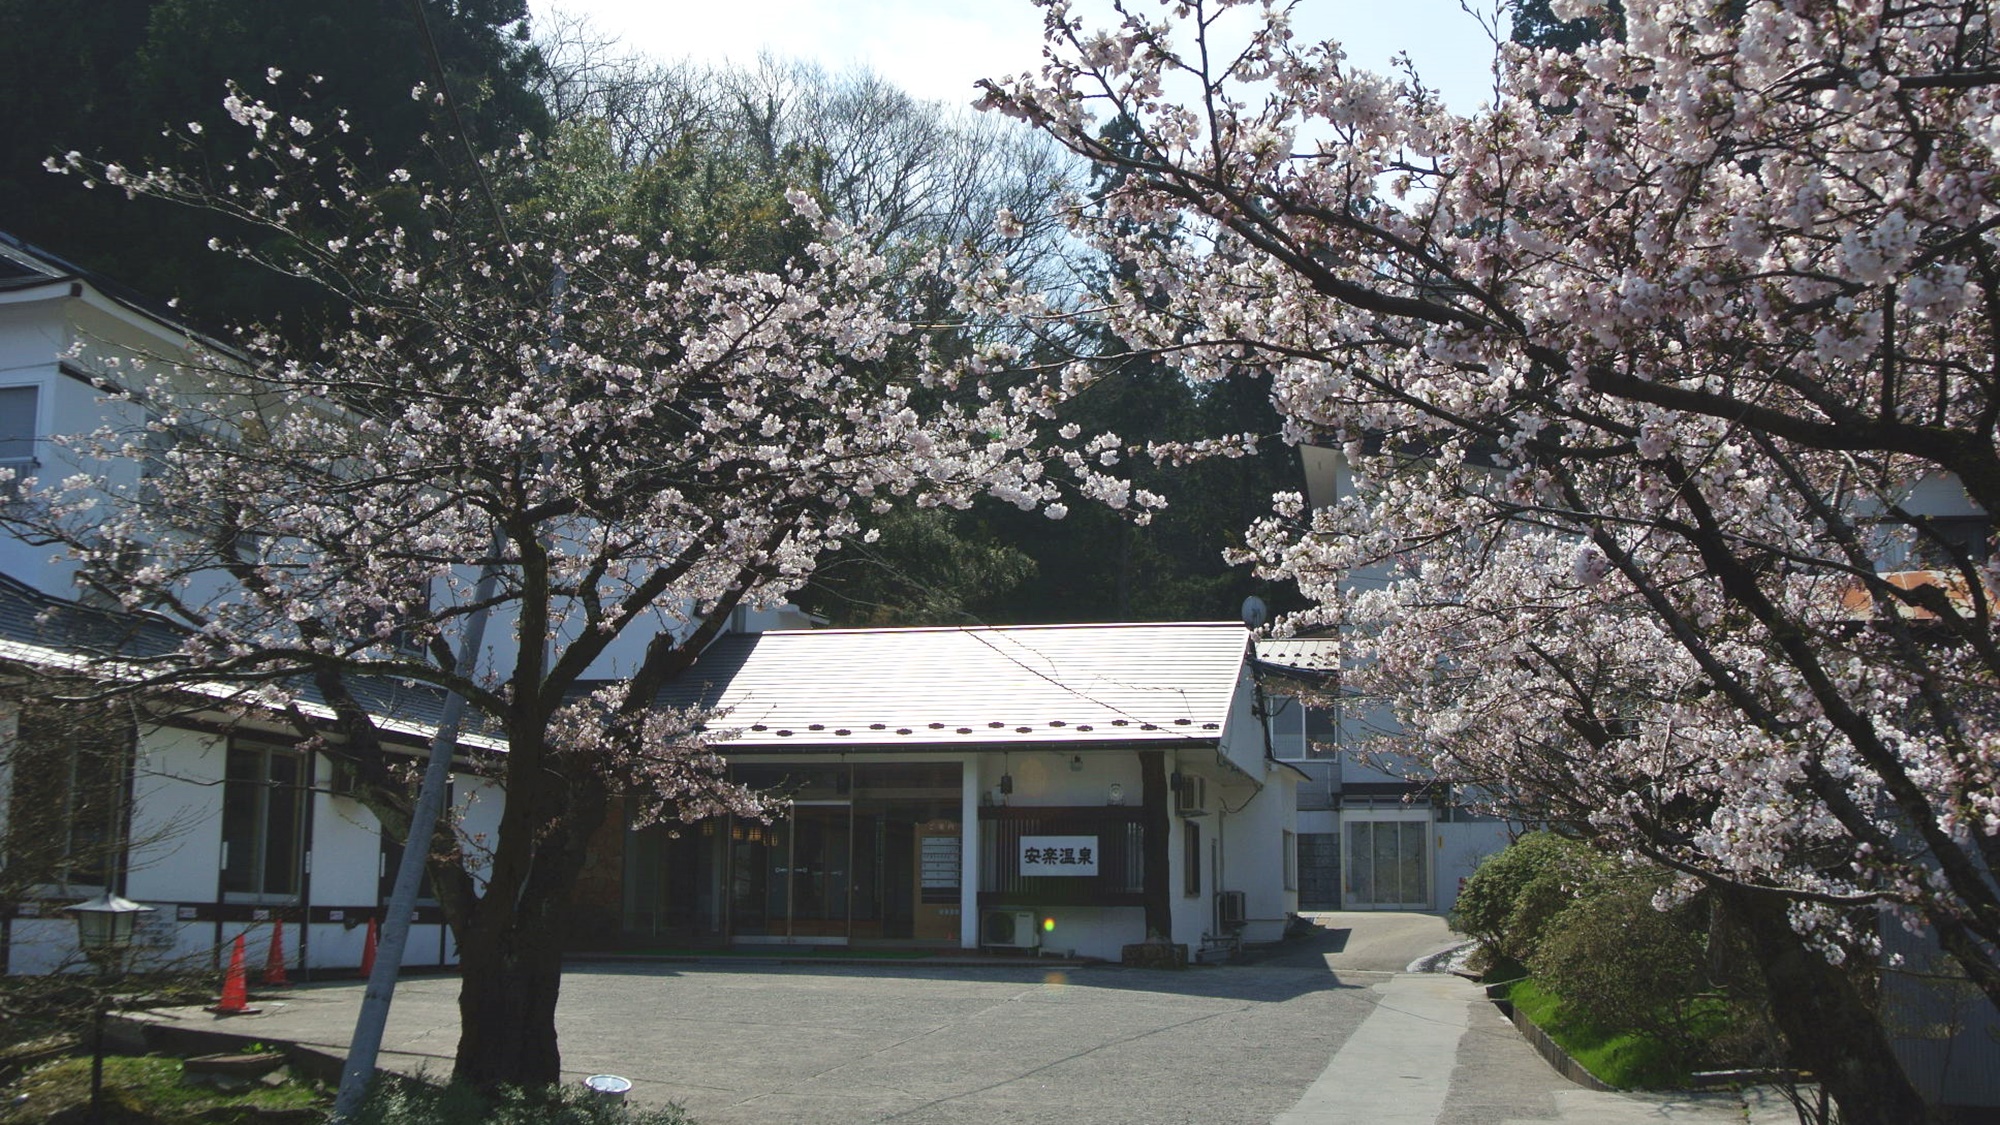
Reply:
x=1306, y=1038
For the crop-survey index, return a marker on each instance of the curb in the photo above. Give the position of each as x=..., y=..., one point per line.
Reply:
x=130, y=1030
x=1552, y=1053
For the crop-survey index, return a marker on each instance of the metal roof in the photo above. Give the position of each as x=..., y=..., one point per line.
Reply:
x=41, y=631
x=970, y=688
x=1299, y=654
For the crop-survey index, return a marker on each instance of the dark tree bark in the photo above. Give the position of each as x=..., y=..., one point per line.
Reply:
x=507, y=1007
x=1159, y=820
x=1833, y=1031
x=511, y=945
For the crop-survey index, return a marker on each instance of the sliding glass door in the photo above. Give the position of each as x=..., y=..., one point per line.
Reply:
x=1388, y=865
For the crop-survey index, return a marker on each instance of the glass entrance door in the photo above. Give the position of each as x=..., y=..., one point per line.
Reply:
x=790, y=879
x=1388, y=865
x=819, y=870
x=869, y=852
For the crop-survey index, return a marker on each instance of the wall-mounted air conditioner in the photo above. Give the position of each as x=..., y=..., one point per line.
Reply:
x=1229, y=910
x=1191, y=795
x=1009, y=929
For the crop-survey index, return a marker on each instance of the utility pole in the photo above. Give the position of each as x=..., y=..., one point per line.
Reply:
x=359, y=1070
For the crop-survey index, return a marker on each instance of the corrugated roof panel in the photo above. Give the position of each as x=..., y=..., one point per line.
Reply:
x=1310, y=654
x=984, y=686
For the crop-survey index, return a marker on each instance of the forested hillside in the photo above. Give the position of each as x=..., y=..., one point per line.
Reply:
x=658, y=146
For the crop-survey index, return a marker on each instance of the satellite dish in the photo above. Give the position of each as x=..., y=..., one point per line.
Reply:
x=1255, y=612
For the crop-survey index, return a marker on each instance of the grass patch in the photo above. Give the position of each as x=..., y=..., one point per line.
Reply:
x=148, y=1091
x=1622, y=1058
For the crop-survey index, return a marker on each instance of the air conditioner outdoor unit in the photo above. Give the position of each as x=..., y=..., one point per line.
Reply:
x=1229, y=909
x=1191, y=796
x=1009, y=929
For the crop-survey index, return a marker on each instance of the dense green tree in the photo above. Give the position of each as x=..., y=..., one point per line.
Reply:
x=1536, y=25
x=109, y=78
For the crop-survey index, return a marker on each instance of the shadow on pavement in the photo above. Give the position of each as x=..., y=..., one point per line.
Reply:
x=1248, y=983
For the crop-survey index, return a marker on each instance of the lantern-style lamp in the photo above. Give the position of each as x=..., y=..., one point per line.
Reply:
x=104, y=926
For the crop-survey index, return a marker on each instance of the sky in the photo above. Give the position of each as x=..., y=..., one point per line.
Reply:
x=936, y=49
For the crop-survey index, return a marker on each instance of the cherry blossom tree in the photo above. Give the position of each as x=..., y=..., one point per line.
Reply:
x=1655, y=375
x=630, y=443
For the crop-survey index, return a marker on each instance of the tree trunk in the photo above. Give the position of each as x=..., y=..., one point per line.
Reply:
x=511, y=948
x=1832, y=1030
x=507, y=1006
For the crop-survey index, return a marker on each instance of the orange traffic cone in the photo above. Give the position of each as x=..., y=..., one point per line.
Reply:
x=368, y=952
x=274, y=965
x=235, y=988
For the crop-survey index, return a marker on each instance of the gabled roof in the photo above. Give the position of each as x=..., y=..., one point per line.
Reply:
x=25, y=267
x=50, y=634
x=971, y=688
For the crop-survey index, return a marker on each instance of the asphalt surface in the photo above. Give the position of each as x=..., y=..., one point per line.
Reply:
x=1325, y=1031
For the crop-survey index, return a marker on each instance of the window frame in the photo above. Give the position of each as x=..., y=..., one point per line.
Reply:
x=87, y=814
x=262, y=791
x=31, y=462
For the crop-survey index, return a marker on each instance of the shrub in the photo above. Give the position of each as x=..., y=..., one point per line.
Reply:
x=1509, y=901
x=1618, y=962
x=408, y=1101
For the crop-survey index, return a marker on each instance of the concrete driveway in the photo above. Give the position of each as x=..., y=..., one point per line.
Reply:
x=1290, y=1040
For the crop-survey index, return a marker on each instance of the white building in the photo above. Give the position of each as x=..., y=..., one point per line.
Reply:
x=1075, y=788
x=1374, y=834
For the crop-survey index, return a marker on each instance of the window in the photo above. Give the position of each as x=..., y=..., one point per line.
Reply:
x=263, y=822
x=19, y=409
x=1191, y=875
x=155, y=448
x=1290, y=845
x=389, y=861
x=71, y=775
x=1950, y=539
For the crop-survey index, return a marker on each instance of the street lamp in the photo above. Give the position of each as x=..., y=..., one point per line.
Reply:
x=104, y=927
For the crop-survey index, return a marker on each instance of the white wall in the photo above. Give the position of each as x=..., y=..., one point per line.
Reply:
x=177, y=837
x=176, y=860
x=1046, y=779
x=1461, y=847
x=1252, y=842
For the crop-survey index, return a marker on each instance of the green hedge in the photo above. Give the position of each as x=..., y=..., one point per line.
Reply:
x=1639, y=995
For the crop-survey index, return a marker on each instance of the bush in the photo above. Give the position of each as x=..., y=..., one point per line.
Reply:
x=1619, y=1056
x=409, y=1101
x=1510, y=900
x=1618, y=962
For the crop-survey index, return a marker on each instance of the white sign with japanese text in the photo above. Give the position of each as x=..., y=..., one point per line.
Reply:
x=1058, y=855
